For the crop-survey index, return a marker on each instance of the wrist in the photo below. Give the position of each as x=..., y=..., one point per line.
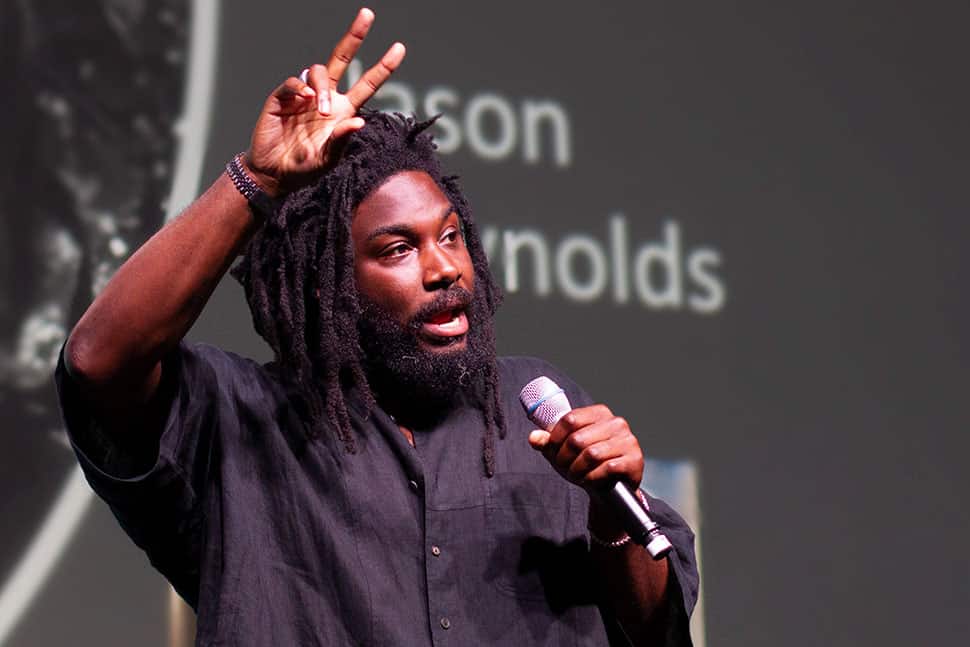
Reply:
x=602, y=524
x=266, y=182
x=262, y=204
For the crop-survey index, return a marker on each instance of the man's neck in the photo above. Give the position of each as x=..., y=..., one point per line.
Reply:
x=408, y=434
x=411, y=411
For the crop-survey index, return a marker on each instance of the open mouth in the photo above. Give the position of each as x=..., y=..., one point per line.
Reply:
x=445, y=327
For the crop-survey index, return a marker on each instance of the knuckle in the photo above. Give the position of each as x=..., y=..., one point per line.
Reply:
x=595, y=453
x=603, y=410
x=634, y=451
x=386, y=67
x=358, y=32
x=575, y=442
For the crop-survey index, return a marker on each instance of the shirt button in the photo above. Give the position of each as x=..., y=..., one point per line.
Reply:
x=445, y=623
x=435, y=551
x=414, y=485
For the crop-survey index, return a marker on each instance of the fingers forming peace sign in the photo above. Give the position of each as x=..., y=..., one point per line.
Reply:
x=304, y=118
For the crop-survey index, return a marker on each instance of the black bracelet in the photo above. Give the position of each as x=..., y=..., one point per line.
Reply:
x=262, y=205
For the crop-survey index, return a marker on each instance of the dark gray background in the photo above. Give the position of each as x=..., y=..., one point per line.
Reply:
x=821, y=149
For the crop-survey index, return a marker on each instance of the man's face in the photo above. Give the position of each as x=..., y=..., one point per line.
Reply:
x=410, y=260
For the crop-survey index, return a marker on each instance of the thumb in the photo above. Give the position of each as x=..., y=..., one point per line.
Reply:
x=538, y=439
x=291, y=97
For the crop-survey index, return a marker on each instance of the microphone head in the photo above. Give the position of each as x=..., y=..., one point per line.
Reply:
x=544, y=402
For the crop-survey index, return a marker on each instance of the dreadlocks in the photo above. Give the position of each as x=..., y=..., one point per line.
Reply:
x=298, y=275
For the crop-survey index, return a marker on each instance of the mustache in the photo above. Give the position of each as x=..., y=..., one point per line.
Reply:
x=453, y=298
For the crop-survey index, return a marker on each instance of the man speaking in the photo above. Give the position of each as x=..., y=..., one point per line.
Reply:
x=378, y=483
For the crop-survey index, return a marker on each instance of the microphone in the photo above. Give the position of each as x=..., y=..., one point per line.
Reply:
x=545, y=403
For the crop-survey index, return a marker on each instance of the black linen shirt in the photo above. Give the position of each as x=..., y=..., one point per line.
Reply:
x=279, y=540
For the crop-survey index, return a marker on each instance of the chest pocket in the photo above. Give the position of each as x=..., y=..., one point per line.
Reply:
x=536, y=536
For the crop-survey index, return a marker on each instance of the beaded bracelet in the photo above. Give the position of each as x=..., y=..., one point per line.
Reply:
x=625, y=538
x=616, y=543
x=262, y=205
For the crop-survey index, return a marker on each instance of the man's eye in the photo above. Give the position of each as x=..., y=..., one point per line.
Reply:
x=451, y=236
x=399, y=249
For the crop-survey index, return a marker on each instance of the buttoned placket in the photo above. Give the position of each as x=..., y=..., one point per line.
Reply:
x=435, y=573
x=438, y=509
x=444, y=607
x=440, y=584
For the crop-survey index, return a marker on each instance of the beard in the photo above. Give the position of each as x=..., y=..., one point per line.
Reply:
x=425, y=382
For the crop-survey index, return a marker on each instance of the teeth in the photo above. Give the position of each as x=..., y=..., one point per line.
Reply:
x=450, y=324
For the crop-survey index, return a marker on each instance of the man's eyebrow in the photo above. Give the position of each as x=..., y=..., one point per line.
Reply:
x=390, y=230
x=404, y=230
x=447, y=211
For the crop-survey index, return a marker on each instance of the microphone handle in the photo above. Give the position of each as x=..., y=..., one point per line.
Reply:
x=635, y=521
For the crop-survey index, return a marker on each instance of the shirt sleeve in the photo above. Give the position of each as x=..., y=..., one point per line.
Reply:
x=158, y=498
x=683, y=586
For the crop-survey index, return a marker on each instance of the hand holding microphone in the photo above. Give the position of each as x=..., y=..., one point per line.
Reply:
x=595, y=449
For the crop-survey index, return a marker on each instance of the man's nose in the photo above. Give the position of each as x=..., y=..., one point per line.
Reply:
x=440, y=269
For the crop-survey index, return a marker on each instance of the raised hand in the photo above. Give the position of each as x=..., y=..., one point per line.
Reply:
x=303, y=121
x=591, y=447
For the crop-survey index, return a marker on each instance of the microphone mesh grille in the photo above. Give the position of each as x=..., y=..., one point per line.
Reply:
x=553, y=403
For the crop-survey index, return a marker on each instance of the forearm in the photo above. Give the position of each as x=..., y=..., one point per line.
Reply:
x=154, y=298
x=633, y=586
x=115, y=350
